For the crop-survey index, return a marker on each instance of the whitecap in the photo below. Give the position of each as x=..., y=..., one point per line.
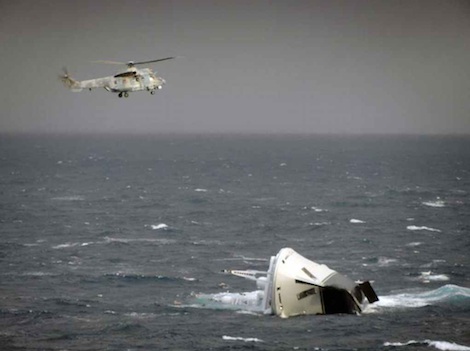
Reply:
x=385, y=262
x=438, y=203
x=414, y=244
x=38, y=274
x=414, y=228
x=199, y=190
x=440, y=345
x=140, y=315
x=427, y=277
x=64, y=246
x=356, y=221
x=189, y=279
x=317, y=209
x=69, y=198
x=108, y=240
x=238, y=338
x=159, y=226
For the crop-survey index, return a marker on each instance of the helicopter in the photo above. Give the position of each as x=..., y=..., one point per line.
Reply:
x=133, y=79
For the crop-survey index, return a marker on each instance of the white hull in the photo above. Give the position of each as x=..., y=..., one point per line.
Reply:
x=294, y=285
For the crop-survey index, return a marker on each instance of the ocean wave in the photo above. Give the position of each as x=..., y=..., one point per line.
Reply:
x=414, y=244
x=69, y=198
x=415, y=228
x=109, y=240
x=159, y=226
x=449, y=293
x=385, y=261
x=381, y=261
x=319, y=224
x=315, y=209
x=39, y=274
x=238, y=338
x=65, y=246
x=427, y=277
x=440, y=345
x=356, y=221
x=438, y=203
x=141, y=315
x=208, y=242
x=140, y=277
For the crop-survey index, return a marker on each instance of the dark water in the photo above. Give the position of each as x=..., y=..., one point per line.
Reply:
x=117, y=243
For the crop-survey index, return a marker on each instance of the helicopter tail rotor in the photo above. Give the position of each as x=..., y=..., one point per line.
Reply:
x=68, y=81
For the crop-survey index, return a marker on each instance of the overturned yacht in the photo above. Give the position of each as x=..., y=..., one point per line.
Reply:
x=294, y=285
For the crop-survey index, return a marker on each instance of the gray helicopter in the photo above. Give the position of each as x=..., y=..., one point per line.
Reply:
x=133, y=79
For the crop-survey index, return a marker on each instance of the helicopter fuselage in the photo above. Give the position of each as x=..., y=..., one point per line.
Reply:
x=129, y=81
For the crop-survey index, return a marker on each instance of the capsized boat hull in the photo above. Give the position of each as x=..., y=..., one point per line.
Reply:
x=295, y=285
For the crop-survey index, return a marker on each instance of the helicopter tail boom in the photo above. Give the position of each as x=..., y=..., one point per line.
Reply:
x=69, y=82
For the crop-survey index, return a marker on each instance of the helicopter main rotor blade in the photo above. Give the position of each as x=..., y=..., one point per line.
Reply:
x=110, y=62
x=151, y=61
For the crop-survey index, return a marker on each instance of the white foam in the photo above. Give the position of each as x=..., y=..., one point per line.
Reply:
x=158, y=226
x=64, y=246
x=440, y=345
x=69, y=198
x=356, y=221
x=38, y=274
x=189, y=279
x=238, y=338
x=427, y=277
x=414, y=228
x=414, y=244
x=447, y=292
x=385, y=261
x=319, y=224
x=199, y=190
x=318, y=209
x=249, y=301
x=438, y=203
x=108, y=240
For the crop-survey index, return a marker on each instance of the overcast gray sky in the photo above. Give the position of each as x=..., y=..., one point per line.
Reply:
x=249, y=66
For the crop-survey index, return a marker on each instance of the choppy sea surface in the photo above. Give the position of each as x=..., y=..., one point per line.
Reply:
x=118, y=243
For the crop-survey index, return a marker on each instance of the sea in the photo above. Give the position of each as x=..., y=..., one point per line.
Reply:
x=120, y=242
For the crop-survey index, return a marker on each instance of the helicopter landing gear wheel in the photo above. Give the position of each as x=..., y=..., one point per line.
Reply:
x=126, y=94
x=152, y=92
x=120, y=95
